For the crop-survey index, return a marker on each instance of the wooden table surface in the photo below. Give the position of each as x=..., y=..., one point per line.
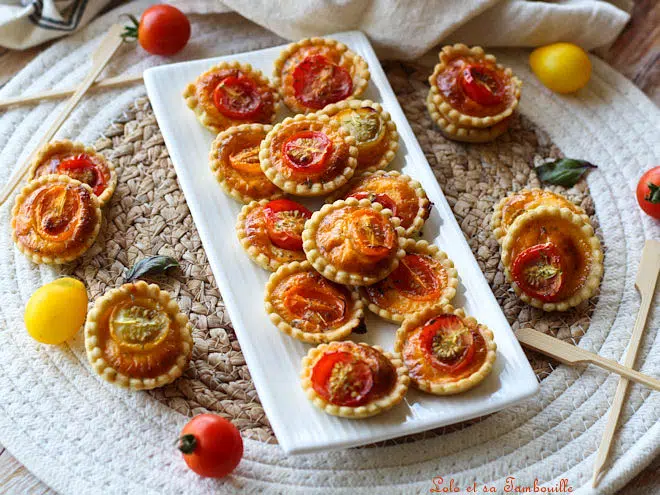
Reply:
x=636, y=54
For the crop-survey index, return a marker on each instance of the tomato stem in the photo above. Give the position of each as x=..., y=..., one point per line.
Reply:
x=187, y=444
x=130, y=32
x=654, y=193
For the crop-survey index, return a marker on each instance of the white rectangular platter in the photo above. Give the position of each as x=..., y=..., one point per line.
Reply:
x=273, y=358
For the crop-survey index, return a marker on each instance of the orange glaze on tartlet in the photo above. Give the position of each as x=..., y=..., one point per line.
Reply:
x=353, y=380
x=401, y=194
x=234, y=160
x=446, y=352
x=55, y=219
x=232, y=93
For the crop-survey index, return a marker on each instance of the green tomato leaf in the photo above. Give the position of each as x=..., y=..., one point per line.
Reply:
x=152, y=264
x=563, y=172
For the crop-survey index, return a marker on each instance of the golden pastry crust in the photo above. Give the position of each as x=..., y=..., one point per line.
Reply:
x=253, y=236
x=340, y=162
x=139, y=356
x=384, y=299
x=516, y=203
x=339, y=320
x=55, y=238
x=423, y=375
x=411, y=205
x=375, y=406
x=234, y=159
x=331, y=242
x=199, y=96
x=451, y=61
x=465, y=134
x=575, y=238
x=49, y=157
x=336, y=52
x=376, y=137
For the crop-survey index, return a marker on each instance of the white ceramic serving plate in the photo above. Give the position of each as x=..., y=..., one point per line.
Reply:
x=273, y=357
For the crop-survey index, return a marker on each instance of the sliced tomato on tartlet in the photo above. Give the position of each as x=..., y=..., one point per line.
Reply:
x=238, y=97
x=482, y=84
x=317, y=82
x=307, y=152
x=539, y=272
x=448, y=343
x=285, y=221
x=342, y=379
x=371, y=234
x=82, y=168
x=416, y=278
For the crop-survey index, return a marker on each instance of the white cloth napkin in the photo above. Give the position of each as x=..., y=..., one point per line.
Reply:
x=402, y=30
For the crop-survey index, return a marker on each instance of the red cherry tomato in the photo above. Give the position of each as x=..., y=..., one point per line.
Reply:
x=416, y=278
x=381, y=198
x=307, y=151
x=648, y=192
x=342, y=379
x=481, y=84
x=211, y=445
x=237, y=97
x=285, y=221
x=372, y=234
x=538, y=271
x=448, y=342
x=317, y=82
x=162, y=30
x=85, y=170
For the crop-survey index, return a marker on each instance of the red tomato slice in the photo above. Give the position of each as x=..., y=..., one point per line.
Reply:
x=448, y=343
x=307, y=151
x=285, y=221
x=371, y=233
x=246, y=161
x=237, y=97
x=342, y=379
x=381, y=198
x=416, y=278
x=317, y=82
x=317, y=303
x=481, y=84
x=538, y=272
x=82, y=168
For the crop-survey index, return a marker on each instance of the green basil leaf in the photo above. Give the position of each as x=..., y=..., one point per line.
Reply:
x=563, y=172
x=152, y=264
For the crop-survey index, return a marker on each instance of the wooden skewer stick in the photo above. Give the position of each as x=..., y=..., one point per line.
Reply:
x=647, y=275
x=100, y=59
x=55, y=94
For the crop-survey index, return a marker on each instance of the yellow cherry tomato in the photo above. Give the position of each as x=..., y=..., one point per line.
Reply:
x=56, y=311
x=562, y=67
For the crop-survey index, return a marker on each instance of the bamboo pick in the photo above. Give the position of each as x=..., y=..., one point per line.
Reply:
x=647, y=275
x=571, y=354
x=100, y=59
x=54, y=94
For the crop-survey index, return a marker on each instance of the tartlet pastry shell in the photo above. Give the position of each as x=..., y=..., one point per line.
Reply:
x=59, y=260
x=453, y=115
x=316, y=123
x=392, y=137
x=420, y=247
x=94, y=352
x=360, y=74
x=336, y=274
x=215, y=121
x=376, y=407
x=592, y=281
x=463, y=384
x=357, y=312
x=73, y=147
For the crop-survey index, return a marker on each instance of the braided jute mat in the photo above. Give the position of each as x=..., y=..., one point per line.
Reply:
x=148, y=215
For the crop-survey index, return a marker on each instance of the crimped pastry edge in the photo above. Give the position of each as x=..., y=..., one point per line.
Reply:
x=421, y=247
x=94, y=352
x=384, y=403
x=66, y=146
x=592, y=282
x=216, y=163
x=360, y=78
x=464, y=384
x=496, y=219
x=59, y=260
x=448, y=53
x=323, y=265
x=314, y=188
x=424, y=204
x=284, y=271
x=392, y=134
x=210, y=122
